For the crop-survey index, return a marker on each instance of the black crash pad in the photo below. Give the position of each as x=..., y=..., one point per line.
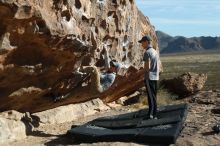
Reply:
x=132, y=123
x=131, y=127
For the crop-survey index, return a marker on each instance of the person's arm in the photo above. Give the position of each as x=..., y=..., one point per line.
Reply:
x=147, y=62
x=106, y=58
x=147, y=65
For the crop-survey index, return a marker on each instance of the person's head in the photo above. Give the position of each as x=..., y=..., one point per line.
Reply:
x=114, y=66
x=145, y=41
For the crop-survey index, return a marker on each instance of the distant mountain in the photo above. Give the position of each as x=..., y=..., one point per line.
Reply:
x=178, y=44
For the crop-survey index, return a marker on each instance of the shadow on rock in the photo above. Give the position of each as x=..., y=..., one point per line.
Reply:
x=30, y=122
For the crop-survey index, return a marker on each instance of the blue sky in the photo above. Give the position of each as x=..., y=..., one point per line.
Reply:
x=183, y=17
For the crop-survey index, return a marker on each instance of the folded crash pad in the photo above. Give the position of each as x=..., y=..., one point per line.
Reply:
x=132, y=127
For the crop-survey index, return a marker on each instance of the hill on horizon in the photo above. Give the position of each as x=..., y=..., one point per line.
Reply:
x=181, y=44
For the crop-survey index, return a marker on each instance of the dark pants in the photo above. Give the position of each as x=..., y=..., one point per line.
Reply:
x=151, y=87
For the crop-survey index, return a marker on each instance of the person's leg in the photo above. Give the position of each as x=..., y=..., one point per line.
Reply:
x=95, y=85
x=154, y=95
x=150, y=98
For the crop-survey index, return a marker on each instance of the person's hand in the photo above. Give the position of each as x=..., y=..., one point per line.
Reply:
x=80, y=69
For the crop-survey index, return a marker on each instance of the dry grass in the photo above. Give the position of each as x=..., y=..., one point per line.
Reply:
x=163, y=98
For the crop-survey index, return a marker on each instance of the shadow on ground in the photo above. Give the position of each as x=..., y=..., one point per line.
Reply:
x=42, y=134
x=67, y=140
x=208, y=133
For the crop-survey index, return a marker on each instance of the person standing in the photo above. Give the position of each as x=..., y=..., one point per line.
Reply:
x=151, y=67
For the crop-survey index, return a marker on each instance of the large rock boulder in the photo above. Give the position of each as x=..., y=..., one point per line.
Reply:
x=70, y=112
x=16, y=126
x=185, y=84
x=11, y=127
x=43, y=42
